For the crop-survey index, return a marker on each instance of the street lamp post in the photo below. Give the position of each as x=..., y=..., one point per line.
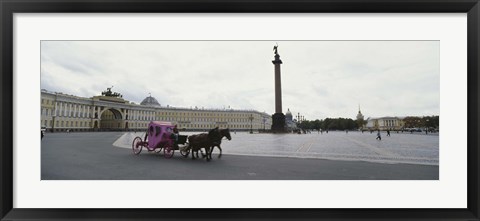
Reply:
x=53, y=122
x=251, y=123
x=426, y=126
x=264, y=120
x=54, y=115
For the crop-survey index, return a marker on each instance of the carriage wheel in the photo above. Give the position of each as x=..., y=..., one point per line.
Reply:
x=137, y=145
x=185, y=151
x=168, y=152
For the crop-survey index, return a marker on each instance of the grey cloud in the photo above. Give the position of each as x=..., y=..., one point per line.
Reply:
x=319, y=78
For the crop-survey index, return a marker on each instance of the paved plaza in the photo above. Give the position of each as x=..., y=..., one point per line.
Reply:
x=407, y=148
x=332, y=156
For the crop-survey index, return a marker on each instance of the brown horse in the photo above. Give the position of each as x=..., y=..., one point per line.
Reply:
x=204, y=140
x=218, y=140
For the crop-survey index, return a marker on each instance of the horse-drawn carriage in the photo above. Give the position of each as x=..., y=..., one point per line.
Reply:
x=160, y=136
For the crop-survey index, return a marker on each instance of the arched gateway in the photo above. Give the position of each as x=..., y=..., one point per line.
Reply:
x=111, y=119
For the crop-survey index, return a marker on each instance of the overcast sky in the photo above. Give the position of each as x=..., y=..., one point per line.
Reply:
x=320, y=79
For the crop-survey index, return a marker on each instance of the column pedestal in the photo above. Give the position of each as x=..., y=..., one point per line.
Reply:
x=278, y=123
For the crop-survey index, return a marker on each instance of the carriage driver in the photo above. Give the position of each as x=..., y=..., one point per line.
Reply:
x=175, y=135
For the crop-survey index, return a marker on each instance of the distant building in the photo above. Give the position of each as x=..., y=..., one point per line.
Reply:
x=385, y=123
x=290, y=124
x=360, y=119
x=110, y=111
x=150, y=101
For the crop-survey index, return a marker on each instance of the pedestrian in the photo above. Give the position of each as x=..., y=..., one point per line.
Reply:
x=42, y=134
x=388, y=132
x=379, y=137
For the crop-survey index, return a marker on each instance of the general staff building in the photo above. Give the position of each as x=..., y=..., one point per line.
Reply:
x=61, y=112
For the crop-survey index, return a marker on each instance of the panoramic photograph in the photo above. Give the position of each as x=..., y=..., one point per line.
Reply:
x=240, y=110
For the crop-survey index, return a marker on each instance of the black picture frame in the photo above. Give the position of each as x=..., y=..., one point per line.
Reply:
x=9, y=7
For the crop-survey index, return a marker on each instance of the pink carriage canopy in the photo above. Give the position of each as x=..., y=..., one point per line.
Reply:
x=159, y=132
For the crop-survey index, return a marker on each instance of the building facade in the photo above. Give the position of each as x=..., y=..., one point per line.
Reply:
x=385, y=123
x=289, y=122
x=61, y=112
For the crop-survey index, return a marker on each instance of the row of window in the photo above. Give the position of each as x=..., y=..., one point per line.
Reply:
x=232, y=126
x=77, y=124
x=48, y=112
x=65, y=113
x=83, y=124
x=48, y=123
x=207, y=119
x=389, y=123
x=83, y=114
x=46, y=101
x=86, y=111
x=204, y=114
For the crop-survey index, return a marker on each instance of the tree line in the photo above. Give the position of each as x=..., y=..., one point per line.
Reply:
x=350, y=124
x=329, y=124
x=422, y=122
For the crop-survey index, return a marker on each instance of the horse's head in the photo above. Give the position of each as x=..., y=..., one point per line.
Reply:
x=226, y=133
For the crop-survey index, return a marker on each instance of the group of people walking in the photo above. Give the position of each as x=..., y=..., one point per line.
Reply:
x=379, y=135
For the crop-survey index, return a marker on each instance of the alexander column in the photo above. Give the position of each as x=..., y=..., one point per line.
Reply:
x=278, y=119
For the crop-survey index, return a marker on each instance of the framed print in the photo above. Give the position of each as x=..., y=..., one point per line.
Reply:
x=302, y=110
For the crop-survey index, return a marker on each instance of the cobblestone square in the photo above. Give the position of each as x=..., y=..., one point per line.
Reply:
x=332, y=156
x=416, y=148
